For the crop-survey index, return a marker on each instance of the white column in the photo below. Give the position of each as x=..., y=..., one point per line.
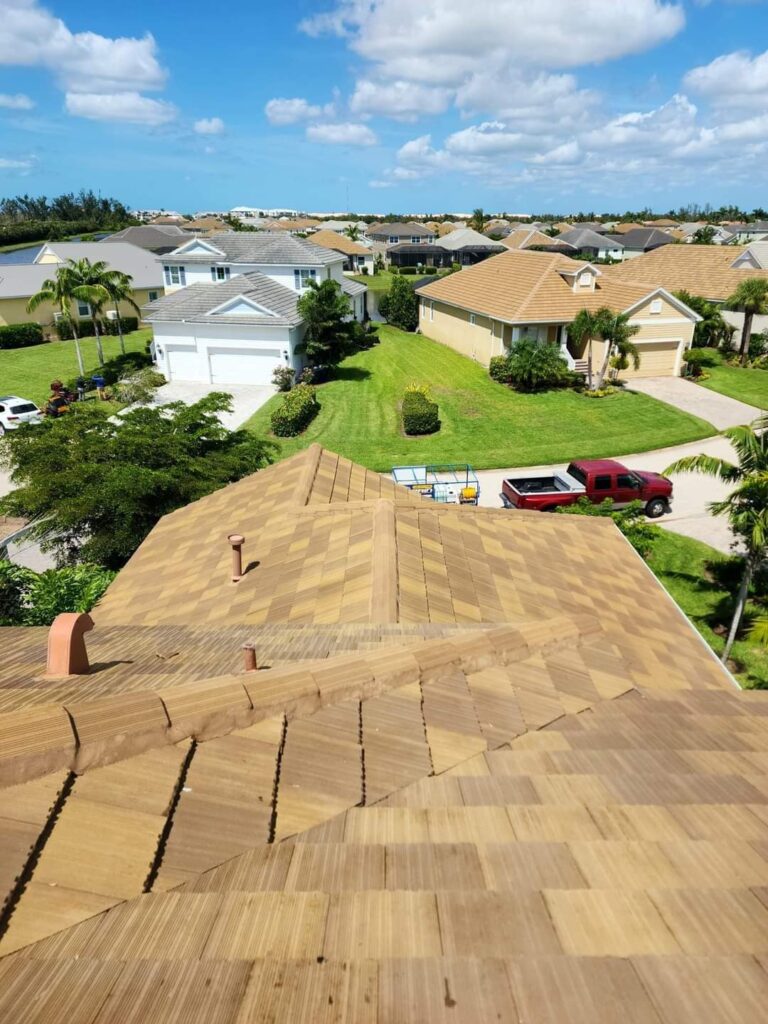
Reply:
x=564, y=348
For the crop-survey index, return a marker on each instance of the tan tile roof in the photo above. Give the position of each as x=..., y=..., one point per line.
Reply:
x=703, y=270
x=560, y=816
x=521, y=286
x=524, y=238
x=341, y=243
x=627, y=225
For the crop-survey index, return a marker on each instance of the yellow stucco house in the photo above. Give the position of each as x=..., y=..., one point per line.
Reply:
x=20, y=281
x=482, y=310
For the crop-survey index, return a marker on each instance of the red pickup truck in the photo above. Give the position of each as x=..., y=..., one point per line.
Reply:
x=596, y=479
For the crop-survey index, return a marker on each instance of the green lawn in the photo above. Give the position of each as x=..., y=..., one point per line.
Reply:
x=693, y=574
x=483, y=423
x=381, y=282
x=28, y=372
x=750, y=386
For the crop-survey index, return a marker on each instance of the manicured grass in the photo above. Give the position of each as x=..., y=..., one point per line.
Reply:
x=693, y=574
x=483, y=423
x=382, y=281
x=28, y=372
x=750, y=386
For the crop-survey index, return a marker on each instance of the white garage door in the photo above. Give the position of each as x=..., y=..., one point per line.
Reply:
x=184, y=364
x=243, y=366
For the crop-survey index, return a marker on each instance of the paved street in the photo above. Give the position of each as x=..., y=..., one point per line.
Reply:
x=692, y=493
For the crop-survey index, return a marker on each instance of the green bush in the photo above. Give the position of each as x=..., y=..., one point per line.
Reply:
x=534, y=366
x=498, y=369
x=21, y=335
x=420, y=415
x=400, y=305
x=138, y=387
x=407, y=270
x=298, y=409
x=430, y=270
x=115, y=369
x=85, y=328
x=28, y=598
x=697, y=358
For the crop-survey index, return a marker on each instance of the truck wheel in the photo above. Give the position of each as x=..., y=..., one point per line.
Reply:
x=656, y=508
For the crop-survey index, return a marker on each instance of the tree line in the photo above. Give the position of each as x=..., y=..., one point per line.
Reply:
x=34, y=218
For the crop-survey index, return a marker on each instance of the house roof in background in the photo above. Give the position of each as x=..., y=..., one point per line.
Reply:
x=277, y=248
x=525, y=238
x=704, y=270
x=642, y=238
x=20, y=280
x=757, y=251
x=467, y=238
x=338, y=242
x=400, y=228
x=196, y=302
x=155, y=237
x=521, y=286
x=585, y=238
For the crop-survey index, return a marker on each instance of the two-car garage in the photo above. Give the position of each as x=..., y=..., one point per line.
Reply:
x=218, y=365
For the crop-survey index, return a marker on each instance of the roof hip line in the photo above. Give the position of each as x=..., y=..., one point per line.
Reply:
x=384, y=605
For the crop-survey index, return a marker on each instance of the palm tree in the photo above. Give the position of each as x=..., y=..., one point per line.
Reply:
x=120, y=289
x=478, y=219
x=585, y=327
x=746, y=506
x=62, y=290
x=352, y=231
x=752, y=297
x=618, y=333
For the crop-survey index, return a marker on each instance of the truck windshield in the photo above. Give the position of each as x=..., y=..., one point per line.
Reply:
x=578, y=474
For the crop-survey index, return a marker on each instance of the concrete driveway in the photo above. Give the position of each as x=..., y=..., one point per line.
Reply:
x=246, y=398
x=692, y=491
x=719, y=410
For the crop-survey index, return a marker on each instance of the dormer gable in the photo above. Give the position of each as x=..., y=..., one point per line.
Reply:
x=198, y=247
x=746, y=260
x=581, y=279
x=240, y=305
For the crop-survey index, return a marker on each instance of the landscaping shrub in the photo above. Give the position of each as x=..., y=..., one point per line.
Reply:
x=430, y=270
x=697, y=358
x=282, y=377
x=407, y=270
x=298, y=409
x=420, y=414
x=85, y=328
x=21, y=335
x=400, y=305
x=28, y=598
x=498, y=369
x=138, y=387
x=534, y=366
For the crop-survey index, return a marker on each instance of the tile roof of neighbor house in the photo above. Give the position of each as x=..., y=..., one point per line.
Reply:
x=155, y=237
x=261, y=247
x=477, y=778
x=585, y=238
x=205, y=224
x=467, y=238
x=627, y=225
x=704, y=270
x=20, y=280
x=529, y=238
x=642, y=238
x=522, y=286
x=197, y=302
x=338, y=242
x=410, y=229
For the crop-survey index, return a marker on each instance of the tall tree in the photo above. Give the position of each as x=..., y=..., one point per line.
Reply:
x=704, y=236
x=352, y=231
x=98, y=277
x=62, y=290
x=331, y=332
x=751, y=297
x=400, y=305
x=97, y=484
x=746, y=507
x=478, y=219
x=618, y=333
x=119, y=287
x=712, y=329
x=585, y=328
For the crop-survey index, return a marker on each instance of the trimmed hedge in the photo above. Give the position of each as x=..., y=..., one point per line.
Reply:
x=298, y=409
x=430, y=270
x=420, y=415
x=407, y=270
x=107, y=327
x=21, y=335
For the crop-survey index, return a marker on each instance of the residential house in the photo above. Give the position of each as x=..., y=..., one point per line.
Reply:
x=640, y=240
x=661, y=222
x=720, y=236
x=524, y=294
x=293, y=225
x=340, y=226
x=358, y=258
x=229, y=324
x=755, y=231
x=157, y=238
x=624, y=226
x=485, y=770
x=533, y=238
x=593, y=245
x=464, y=246
x=20, y=281
x=396, y=234
x=712, y=272
x=205, y=225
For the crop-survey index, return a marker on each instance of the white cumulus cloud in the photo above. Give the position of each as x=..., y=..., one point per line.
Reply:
x=292, y=111
x=404, y=101
x=732, y=80
x=16, y=102
x=342, y=134
x=209, y=126
x=130, y=107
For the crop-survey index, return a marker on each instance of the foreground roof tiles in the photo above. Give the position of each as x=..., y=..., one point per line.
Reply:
x=535, y=797
x=704, y=270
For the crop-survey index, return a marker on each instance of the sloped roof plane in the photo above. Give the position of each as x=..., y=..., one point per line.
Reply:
x=490, y=781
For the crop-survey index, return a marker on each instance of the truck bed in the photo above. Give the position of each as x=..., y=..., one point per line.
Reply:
x=560, y=483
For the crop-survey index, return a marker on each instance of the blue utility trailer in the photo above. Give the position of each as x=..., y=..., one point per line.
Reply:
x=450, y=483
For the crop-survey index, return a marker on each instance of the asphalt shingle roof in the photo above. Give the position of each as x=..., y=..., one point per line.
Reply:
x=586, y=238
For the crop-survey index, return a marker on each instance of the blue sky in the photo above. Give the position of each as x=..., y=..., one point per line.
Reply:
x=385, y=105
